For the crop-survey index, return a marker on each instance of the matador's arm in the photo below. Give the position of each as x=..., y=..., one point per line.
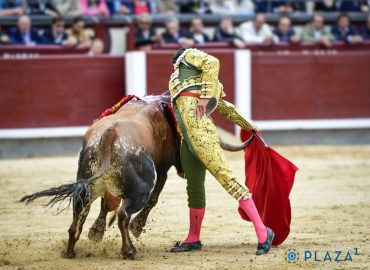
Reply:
x=229, y=111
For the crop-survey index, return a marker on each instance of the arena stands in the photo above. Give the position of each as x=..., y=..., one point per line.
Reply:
x=138, y=24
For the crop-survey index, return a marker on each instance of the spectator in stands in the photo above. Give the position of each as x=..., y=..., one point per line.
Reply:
x=245, y=7
x=278, y=6
x=316, y=31
x=226, y=33
x=221, y=7
x=94, y=8
x=41, y=7
x=129, y=7
x=96, y=48
x=257, y=31
x=354, y=6
x=68, y=7
x=4, y=39
x=196, y=31
x=285, y=32
x=173, y=34
x=141, y=6
x=345, y=31
x=12, y=7
x=327, y=6
x=57, y=35
x=195, y=7
x=286, y=7
x=261, y=6
x=145, y=34
x=165, y=6
x=120, y=7
x=366, y=30
x=231, y=7
x=294, y=6
x=24, y=33
x=78, y=35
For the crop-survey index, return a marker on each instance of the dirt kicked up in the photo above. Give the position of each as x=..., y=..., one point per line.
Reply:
x=330, y=219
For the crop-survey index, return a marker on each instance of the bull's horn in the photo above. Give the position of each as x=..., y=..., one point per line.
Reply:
x=235, y=147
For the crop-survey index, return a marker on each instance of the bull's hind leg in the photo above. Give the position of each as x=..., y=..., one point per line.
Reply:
x=96, y=231
x=128, y=250
x=140, y=176
x=138, y=223
x=79, y=216
x=129, y=207
x=108, y=203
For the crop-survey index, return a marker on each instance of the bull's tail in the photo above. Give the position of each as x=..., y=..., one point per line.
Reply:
x=80, y=191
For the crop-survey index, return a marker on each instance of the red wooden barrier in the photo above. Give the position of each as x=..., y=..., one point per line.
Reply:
x=73, y=90
x=58, y=91
x=311, y=86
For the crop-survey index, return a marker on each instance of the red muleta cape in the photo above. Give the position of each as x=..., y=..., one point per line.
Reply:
x=270, y=178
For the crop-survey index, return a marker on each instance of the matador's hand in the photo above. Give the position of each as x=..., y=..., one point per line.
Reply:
x=200, y=109
x=254, y=128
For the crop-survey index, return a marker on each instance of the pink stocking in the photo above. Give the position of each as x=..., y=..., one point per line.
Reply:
x=196, y=217
x=250, y=209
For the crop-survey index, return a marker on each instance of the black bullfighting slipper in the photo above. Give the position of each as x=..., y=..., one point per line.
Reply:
x=266, y=246
x=185, y=247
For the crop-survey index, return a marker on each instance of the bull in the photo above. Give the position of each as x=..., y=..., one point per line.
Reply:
x=125, y=156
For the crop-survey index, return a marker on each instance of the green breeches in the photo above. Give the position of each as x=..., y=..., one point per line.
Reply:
x=195, y=174
x=201, y=150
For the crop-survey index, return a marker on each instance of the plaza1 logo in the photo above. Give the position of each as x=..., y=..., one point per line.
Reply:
x=292, y=255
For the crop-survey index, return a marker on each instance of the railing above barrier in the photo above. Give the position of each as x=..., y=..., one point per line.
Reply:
x=337, y=46
x=22, y=51
x=209, y=19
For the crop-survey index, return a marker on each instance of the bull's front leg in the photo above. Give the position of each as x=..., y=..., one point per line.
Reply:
x=138, y=223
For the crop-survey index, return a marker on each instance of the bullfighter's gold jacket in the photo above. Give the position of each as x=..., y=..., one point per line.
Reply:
x=198, y=71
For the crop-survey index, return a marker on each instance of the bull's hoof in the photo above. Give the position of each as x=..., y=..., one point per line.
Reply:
x=69, y=254
x=129, y=254
x=135, y=228
x=96, y=234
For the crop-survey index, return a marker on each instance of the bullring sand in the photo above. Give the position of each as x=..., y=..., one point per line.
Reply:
x=330, y=212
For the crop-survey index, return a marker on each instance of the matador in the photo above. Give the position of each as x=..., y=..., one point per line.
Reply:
x=196, y=92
